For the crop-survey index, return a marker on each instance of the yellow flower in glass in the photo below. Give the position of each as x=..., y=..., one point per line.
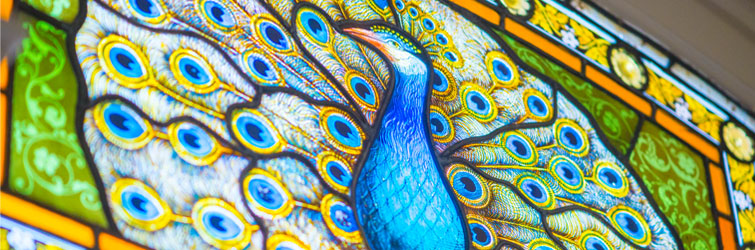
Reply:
x=627, y=68
x=517, y=7
x=738, y=142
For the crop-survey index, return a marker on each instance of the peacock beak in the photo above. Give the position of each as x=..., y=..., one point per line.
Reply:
x=369, y=37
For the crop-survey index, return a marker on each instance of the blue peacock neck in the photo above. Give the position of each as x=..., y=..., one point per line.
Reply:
x=401, y=199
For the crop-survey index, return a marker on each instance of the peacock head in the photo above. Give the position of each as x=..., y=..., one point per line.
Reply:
x=395, y=46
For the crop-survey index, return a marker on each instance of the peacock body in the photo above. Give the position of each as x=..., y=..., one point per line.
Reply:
x=326, y=124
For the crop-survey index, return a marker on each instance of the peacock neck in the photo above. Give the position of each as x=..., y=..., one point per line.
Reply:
x=407, y=102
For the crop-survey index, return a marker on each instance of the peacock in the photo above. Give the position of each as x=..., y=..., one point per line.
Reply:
x=329, y=124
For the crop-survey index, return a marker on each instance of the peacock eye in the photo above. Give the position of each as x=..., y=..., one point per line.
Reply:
x=220, y=224
x=395, y=44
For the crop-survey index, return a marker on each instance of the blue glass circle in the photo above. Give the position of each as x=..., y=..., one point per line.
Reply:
x=451, y=56
x=220, y=226
x=146, y=8
x=477, y=103
x=441, y=39
x=261, y=67
x=439, y=125
x=595, y=243
x=571, y=137
x=315, y=26
x=255, y=132
x=126, y=62
x=195, y=140
x=467, y=185
x=413, y=12
x=480, y=234
x=139, y=205
x=344, y=131
x=519, y=146
x=630, y=225
x=428, y=24
x=534, y=190
x=568, y=173
x=274, y=35
x=610, y=178
x=362, y=90
x=440, y=82
x=537, y=106
x=193, y=71
x=123, y=122
x=399, y=4
x=219, y=14
x=343, y=217
x=266, y=194
x=338, y=173
x=502, y=70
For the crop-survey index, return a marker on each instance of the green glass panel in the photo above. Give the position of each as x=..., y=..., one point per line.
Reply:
x=675, y=175
x=63, y=10
x=616, y=120
x=46, y=162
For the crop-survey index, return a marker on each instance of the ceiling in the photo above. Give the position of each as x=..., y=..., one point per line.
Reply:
x=716, y=37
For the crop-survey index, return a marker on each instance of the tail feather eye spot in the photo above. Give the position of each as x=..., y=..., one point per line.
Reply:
x=266, y=195
x=520, y=147
x=217, y=14
x=441, y=39
x=630, y=224
x=479, y=104
x=340, y=218
x=284, y=242
x=341, y=130
x=567, y=173
x=122, y=126
x=440, y=125
x=260, y=68
x=399, y=4
x=536, y=190
x=191, y=70
x=428, y=23
x=444, y=86
x=256, y=132
x=440, y=81
x=413, y=12
x=123, y=61
x=468, y=186
x=314, y=26
x=193, y=144
x=139, y=205
x=363, y=91
x=481, y=233
x=591, y=240
x=273, y=35
x=219, y=224
x=571, y=137
x=148, y=10
x=502, y=69
x=452, y=57
x=611, y=178
x=335, y=171
x=537, y=106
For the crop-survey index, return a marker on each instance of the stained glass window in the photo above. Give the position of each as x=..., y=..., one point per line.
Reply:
x=342, y=124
